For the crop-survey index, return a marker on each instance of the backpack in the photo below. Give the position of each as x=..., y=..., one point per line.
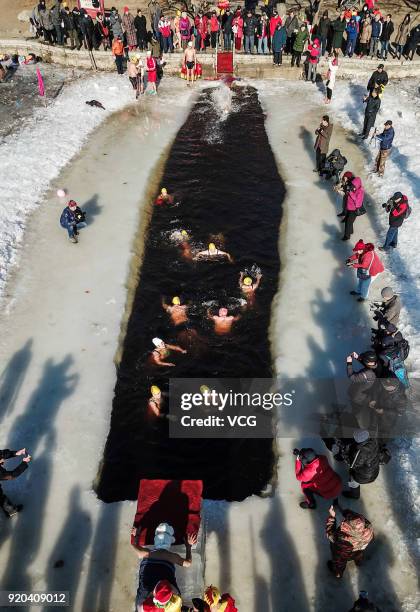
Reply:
x=407, y=212
x=394, y=359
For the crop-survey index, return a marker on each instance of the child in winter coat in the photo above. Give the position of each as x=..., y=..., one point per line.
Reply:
x=313, y=59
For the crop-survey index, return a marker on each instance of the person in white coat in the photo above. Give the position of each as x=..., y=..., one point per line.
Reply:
x=331, y=74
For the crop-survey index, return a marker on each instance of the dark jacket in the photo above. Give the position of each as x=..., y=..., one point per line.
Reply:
x=363, y=461
x=250, y=25
x=391, y=406
x=69, y=218
x=386, y=139
x=11, y=474
x=391, y=310
x=324, y=27
x=140, y=25
x=372, y=105
x=376, y=28
x=338, y=26
x=414, y=39
x=360, y=385
x=69, y=21
x=291, y=24
x=279, y=39
x=387, y=30
x=377, y=78
x=227, y=22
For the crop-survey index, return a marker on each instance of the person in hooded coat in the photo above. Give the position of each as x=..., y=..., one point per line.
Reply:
x=316, y=477
x=349, y=534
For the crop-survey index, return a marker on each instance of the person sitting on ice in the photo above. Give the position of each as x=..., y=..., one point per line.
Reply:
x=164, y=198
x=162, y=351
x=316, y=477
x=157, y=580
x=213, y=251
x=72, y=219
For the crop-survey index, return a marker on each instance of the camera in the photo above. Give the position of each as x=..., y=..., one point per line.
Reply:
x=296, y=452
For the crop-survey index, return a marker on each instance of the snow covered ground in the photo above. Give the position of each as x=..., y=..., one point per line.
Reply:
x=59, y=333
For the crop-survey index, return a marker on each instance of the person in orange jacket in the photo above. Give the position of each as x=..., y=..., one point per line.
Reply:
x=118, y=52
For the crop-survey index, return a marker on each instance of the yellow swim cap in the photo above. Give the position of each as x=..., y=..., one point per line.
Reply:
x=204, y=389
x=178, y=13
x=176, y=301
x=212, y=246
x=247, y=281
x=154, y=390
x=164, y=191
x=212, y=595
x=184, y=233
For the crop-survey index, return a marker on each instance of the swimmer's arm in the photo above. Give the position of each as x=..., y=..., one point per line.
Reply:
x=159, y=361
x=175, y=347
x=257, y=282
x=241, y=278
x=236, y=318
x=154, y=408
x=141, y=551
x=209, y=315
x=229, y=257
x=164, y=305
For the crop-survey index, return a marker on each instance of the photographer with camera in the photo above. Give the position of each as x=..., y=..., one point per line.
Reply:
x=351, y=189
x=386, y=138
x=322, y=142
x=8, y=508
x=388, y=310
x=367, y=264
x=399, y=210
x=334, y=165
x=72, y=219
x=316, y=477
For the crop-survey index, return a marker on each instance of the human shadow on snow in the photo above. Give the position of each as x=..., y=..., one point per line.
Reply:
x=12, y=377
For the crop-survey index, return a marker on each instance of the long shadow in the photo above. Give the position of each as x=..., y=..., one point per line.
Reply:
x=91, y=208
x=102, y=560
x=287, y=588
x=261, y=588
x=12, y=377
x=66, y=559
x=35, y=430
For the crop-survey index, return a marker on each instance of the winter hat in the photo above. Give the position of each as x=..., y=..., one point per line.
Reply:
x=387, y=293
x=164, y=536
x=360, y=436
x=162, y=593
x=369, y=247
x=368, y=357
x=307, y=455
x=72, y=204
x=157, y=341
x=348, y=175
x=359, y=246
x=381, y=66
x=126, y=9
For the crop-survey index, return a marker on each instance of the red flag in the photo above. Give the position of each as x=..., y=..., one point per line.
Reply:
x=40, y=83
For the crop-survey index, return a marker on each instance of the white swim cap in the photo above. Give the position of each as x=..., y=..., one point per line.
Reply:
x=157, y=341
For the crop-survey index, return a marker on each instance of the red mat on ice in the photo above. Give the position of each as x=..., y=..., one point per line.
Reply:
x=177, y=502
x=224, y=62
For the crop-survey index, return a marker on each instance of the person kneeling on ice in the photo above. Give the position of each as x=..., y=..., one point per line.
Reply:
x=368, y=265
x=8, y=508
x=316, y=477
x=213, y=251
x=349, y=534
x=164, y=198
x=399, y=210
x=162, y=351
x=157, y=588
x=72, y=219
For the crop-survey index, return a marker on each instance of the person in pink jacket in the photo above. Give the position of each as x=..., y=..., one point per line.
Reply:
x=353, y=194
x=313, y=59
x=367, y=264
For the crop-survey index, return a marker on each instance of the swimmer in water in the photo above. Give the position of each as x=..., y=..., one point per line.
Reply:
x=213, y=251
x=164, y=198
x=223, y=321
x=162, y=351
x=185, y=245
x=176, y=310
x=248, y=286
x=155, y=400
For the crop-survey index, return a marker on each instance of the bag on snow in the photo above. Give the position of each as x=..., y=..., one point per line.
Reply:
x=407, y=212
x=394, y=360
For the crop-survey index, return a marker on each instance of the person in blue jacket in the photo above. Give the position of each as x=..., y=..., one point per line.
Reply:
x=352, y=32
x=278, y=43
x=72, y=219
x=385, y=146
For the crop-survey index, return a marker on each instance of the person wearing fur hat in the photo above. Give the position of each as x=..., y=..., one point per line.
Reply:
x=349, y=534
x=390, y=308
x=158, y=566
x=367, y=265
x=316, y=477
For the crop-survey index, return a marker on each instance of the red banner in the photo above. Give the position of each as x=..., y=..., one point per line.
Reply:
x=92, y=7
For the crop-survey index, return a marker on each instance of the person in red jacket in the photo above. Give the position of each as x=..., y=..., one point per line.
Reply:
x=316, y=476
x=314, y=52
x=275, y=19
x=398, y=209
x=368, y=265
